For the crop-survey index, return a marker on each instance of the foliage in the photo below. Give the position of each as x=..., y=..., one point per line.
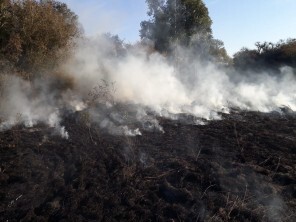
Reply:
x=183, y=22
x=267, y=55
x=35, y=35
x=118, y=47
x=175, y=20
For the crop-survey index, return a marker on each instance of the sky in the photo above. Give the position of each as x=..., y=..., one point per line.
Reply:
x=238, y=23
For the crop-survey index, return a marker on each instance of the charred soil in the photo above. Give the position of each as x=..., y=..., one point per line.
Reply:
x=240, y=168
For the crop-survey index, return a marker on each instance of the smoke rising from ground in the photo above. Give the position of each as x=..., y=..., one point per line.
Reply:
x=124, y=94
x=29, y=103
x=151, y=80
x=148, y=81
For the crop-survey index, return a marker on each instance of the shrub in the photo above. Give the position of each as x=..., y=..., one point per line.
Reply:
x=267, y=55
x=36, y=35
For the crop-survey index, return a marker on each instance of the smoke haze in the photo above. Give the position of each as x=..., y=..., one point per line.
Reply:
x=151, y=80
x=147, y=81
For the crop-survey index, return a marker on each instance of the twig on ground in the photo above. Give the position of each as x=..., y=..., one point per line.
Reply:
x=159, y=176
x=197, y=154
x=277, y=167
x=205, y=192
x=264, y=161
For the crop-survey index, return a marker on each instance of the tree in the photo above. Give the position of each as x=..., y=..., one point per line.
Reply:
x=35, y=35
x=175, y=21
x=118, y=47
x=245, y=58
x=184, y=23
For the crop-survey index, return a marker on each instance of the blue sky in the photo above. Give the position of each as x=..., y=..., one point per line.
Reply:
x=238, y=23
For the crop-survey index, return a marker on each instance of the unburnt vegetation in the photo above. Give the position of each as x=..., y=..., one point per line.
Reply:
x=267, y=56
x=35, y=36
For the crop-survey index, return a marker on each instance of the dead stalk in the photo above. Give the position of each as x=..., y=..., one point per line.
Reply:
x=245, y=194
x=277, y=167
x=197, y=155
x=232, y=207
x=207, y=190
x=264, y=161
x=237, y=140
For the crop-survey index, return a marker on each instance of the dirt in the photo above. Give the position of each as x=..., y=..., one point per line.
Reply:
x=240, y=168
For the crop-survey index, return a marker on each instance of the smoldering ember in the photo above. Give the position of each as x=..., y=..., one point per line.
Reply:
x=170, y=128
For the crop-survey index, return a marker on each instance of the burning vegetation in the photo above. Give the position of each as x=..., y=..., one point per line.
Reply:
x=168, y=129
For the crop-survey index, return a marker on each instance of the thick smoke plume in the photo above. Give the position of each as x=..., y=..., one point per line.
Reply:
x=203, y=89
x=146, y=83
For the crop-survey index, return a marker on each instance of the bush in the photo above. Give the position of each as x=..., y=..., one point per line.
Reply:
x=34, y=35
x=267, y=56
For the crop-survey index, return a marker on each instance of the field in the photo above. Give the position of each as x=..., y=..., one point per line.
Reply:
x=240, y=168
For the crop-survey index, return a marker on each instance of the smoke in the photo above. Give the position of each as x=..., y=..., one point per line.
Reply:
x=29, y=103
x=202, y=89
x=276, y=209
x=147, y=83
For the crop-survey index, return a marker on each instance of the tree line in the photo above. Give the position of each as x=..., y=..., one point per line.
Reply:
x=267, y=55
x=187, y=23
x=38, y=35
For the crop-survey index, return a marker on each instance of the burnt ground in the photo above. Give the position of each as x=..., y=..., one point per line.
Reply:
x=242, y=168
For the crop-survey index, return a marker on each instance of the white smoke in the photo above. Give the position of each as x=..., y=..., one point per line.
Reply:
x=150, y=82
x=21, y=104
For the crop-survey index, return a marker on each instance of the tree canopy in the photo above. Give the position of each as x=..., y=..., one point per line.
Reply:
x=182, y=22
x=35, y=34
x=175, y=20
